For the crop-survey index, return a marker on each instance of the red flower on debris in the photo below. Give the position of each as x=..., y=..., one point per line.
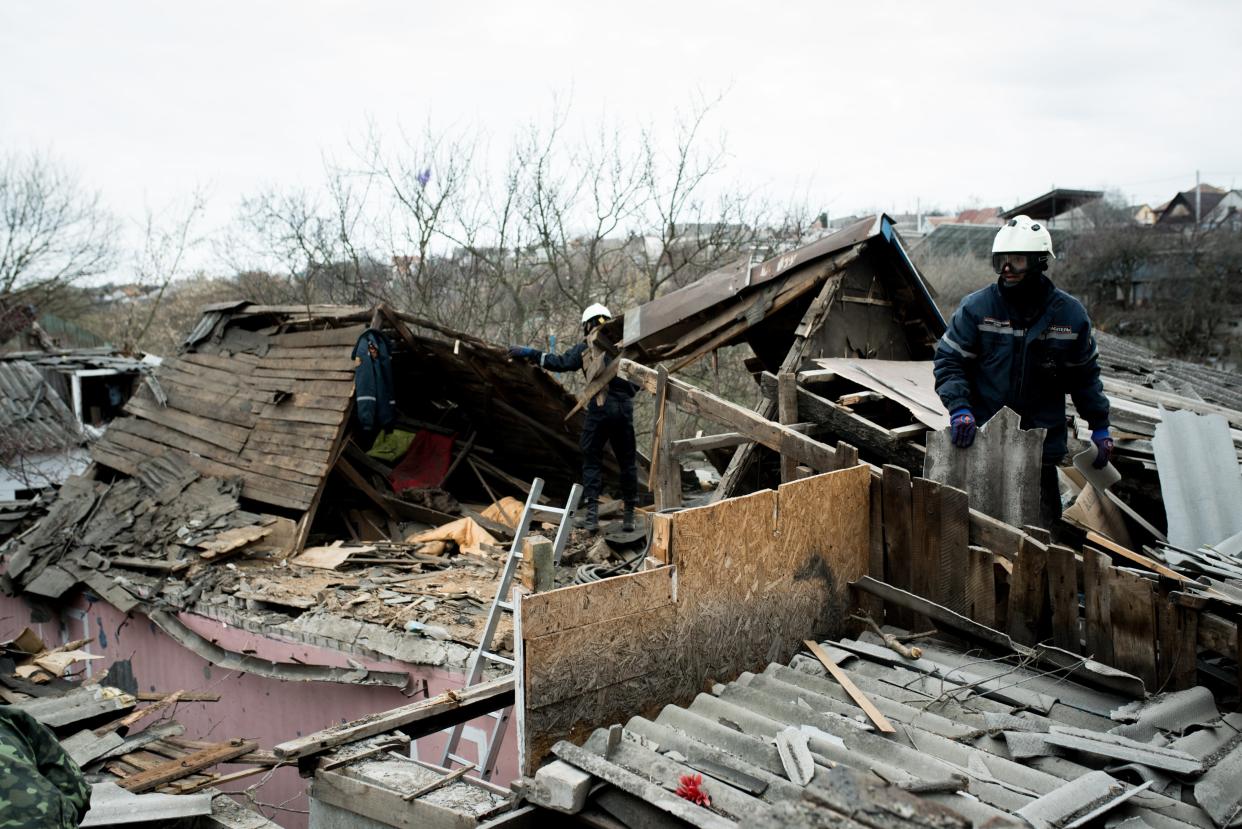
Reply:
x=690, y=786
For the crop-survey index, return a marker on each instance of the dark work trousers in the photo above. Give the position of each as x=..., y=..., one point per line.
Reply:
x=612, y=423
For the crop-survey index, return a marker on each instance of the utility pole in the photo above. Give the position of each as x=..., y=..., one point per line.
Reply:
x=1198, y=200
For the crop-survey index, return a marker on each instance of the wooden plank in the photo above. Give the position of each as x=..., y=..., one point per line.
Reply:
x=1027, y=592
x=571, y=607
x=694, y=401
x=339, y=362
x=873, y=605
x=980, y=586
x=925, y=543
x=1133, y=625
x=1136, y=558
x=898, y=543
x=487, y=696
x=224, y=435
x=852, y=427
x=296, y=460
x=664, y=479
x=172, y=770
x=311, y=447
x=787, y=413
x=1063, y=597
x=1097, y=592
x=1178, y=637
x=300, y=414
x=234, y=365
x=707, y=443
x=325, y=432
x=344, y=336
x=330, y=355
x=262, y=372
x=954, y=540
x=843, y=679
x=847, y=455
x=661, y=547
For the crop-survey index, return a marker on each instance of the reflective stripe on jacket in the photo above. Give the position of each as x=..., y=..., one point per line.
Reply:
x=988, y=359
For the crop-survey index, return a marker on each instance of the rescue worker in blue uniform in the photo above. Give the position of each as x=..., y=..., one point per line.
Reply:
x=609, y=417
x=1023, y=343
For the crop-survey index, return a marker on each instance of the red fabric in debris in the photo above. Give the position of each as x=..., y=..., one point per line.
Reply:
x=424, y=463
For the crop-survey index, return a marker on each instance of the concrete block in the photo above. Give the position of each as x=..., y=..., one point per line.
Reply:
x=561, y=786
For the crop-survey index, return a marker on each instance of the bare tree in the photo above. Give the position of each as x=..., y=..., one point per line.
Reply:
x=53, y=232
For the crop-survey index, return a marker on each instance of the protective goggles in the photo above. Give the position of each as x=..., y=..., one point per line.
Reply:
x=1017, y=262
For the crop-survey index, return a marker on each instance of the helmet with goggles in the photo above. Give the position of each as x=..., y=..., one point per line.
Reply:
x=1022, y=236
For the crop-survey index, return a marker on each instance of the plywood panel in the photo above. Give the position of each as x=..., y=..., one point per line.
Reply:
x=572, y=607
x=752, y=578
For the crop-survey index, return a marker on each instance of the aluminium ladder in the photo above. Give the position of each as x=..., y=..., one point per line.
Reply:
x=501, y=603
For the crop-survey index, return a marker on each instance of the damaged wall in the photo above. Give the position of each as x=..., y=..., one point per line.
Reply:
x=140, y=657
x=744, y=582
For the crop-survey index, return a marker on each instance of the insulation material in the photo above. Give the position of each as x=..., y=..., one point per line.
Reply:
x=1199, y=478
x=507, y=511
x=330, y=557
x=425, y=464
x=909, y=383
x=466, y=533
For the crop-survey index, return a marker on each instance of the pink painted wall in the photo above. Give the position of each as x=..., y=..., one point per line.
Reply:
x=268, y=710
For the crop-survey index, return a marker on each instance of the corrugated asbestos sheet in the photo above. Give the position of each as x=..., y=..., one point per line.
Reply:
x=1199, y=478
x=33, y=418
x=989, y=740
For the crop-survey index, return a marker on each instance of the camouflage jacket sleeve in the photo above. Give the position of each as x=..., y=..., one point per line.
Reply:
x=40, y=785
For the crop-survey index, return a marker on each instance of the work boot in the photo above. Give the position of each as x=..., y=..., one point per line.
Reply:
x=589, y=521
x=627, y=524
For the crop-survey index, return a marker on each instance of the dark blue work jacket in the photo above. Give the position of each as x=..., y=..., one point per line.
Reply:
x=991, y=357
x=571, y=360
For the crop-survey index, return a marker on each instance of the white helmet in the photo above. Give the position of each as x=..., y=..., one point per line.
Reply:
x=594, y=311
x=1023, y=235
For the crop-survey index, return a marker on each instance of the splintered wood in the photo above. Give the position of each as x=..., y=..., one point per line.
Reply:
x=750, y=578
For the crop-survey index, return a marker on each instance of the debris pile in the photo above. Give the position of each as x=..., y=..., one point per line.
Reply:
x=979, y=739
x=134, y=760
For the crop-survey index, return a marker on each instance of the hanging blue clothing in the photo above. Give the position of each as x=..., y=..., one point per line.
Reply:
x=374, y=402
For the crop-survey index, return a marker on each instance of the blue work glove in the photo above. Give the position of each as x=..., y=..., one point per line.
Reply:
x=963, y=425
x=524, y=352
x=1103, y=448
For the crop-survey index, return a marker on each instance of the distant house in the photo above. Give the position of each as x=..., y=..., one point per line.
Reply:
x=1060, y=209
x=1143, y=214
x=53, y=404
x=1216, y=208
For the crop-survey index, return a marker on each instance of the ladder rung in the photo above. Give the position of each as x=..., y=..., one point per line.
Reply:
x=457, y=758
x=503, y=605
x=495, y=657
x=547, y=510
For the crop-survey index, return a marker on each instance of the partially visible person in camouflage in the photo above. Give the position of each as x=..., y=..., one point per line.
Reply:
x=40, y=785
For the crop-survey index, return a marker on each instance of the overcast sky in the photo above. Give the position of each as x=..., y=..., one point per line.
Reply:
x=850, y=105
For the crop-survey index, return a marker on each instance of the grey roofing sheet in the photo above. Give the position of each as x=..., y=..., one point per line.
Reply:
x=1200, y=479
x=113, y=806
x=746, y=739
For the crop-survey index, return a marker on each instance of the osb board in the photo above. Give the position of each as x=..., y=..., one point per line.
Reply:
x=583, y=604
x=754, y=577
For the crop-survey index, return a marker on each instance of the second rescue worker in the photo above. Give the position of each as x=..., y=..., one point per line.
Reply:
x=609, y=416
x=1024, y=343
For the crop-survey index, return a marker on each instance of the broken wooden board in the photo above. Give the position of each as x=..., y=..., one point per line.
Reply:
x=175, y=769
x=908, y=383
x=1000, y=471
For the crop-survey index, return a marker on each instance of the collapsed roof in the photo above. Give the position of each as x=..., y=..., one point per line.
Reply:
x=884, y=307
